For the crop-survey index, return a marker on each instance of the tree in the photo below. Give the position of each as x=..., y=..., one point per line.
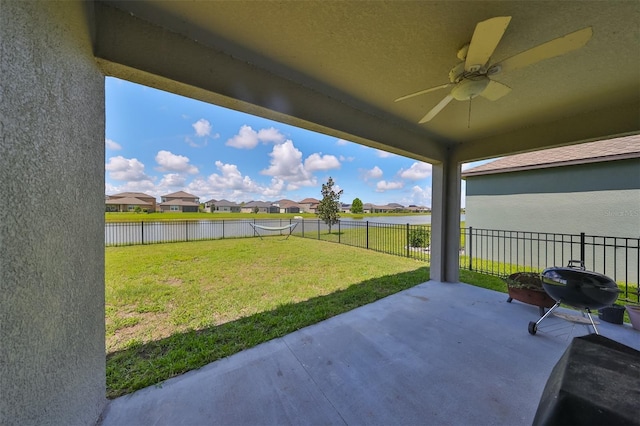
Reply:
x=356, y=206
x=329, y=207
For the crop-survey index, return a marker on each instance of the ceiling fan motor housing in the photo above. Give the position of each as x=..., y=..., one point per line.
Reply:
x=469, y=88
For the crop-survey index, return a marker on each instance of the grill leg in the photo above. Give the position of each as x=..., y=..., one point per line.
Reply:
x=548, y=313
x=533, y=326
x=593, y=324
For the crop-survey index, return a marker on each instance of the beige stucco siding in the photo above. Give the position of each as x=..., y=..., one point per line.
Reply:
x=597, y=198
x=610, y=213
x=52, y=353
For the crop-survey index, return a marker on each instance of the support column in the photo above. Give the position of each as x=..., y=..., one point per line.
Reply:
x=52, y=341
x=445, y=221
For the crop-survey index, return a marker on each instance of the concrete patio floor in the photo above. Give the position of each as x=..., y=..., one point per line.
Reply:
x=436, y=354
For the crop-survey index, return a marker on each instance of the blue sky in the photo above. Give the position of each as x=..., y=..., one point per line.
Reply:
x=158, y=143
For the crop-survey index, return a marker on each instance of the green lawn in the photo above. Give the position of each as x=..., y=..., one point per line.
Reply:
x=171, y=308
x=175, y=307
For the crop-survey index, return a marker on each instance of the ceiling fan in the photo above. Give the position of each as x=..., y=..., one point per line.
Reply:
x=471, y=77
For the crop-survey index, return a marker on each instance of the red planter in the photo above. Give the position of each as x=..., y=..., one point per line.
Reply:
x=526, y=287
x=531, y=297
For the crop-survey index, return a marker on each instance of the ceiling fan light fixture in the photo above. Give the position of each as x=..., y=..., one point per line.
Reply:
x=494, y=69
x=469, y=89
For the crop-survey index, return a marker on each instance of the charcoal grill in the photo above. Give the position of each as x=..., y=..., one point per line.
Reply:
x=577, y=287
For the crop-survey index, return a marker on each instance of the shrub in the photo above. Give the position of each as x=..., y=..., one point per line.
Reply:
x=419, y=237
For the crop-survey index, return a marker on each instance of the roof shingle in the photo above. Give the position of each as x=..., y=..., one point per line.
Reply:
x=589, y=152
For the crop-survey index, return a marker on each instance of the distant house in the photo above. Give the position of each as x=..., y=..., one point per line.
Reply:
x=288, y=206
x=209, y=206
x=260, y=207
x=180, y=202
x=592, y=187
x=418, y=209
x=222, y=206
x=396, y=207
x=345, y=208
x=372, y=208
x=128, y=201
x=309, y=205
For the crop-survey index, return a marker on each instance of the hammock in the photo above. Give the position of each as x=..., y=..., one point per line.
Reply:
x=290, y=227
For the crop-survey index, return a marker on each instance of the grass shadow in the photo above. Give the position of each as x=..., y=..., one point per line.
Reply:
x=146, y=364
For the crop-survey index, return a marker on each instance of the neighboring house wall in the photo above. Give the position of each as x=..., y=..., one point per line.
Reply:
x=601, y=199
x=52, y=344
x=595, y=198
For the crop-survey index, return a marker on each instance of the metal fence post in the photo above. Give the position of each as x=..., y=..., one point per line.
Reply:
x=186, y=230
x=367, y=235
x=408, y=250
x=471, y=248
x=142, y=231
x=582, y=247
x=318, y=228
x=339, y=233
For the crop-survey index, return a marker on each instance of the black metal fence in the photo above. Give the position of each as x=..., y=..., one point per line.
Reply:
x=501, y=253
x=489, y=251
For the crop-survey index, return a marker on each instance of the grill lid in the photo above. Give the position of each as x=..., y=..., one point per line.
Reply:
x=575, y=286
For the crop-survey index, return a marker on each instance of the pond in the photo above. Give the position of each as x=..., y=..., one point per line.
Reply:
x=422, y=219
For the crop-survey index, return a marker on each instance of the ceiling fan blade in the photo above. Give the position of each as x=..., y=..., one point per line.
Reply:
x=436, y=109
x=550, y=49
x=422, y=92
x=495, y=91
x=485, y=39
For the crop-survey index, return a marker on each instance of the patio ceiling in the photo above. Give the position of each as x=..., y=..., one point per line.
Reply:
x=336, y=68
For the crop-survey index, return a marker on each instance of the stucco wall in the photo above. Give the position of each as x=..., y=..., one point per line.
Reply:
x=598, y=199
x=52, y=360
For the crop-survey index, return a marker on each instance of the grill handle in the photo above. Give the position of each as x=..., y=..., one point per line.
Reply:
x=577, y=264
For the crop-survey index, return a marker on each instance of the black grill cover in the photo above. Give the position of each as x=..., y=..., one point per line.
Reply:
x=596, y=382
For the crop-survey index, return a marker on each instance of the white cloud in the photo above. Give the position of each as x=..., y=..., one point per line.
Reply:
x=113, y=145
x=344, y=159
x=275, y=190
x=247, y=138
x=383, y=186
x=170, y=162
x=228, y=183
x=231, y=178
x=126, y=169
x=146, y=186
x=110, y=189
x=417, y=171
x=270, y=135
x=316, y=162
x=375, y=173
x=202, y=127
x=286, y=164
x=342, y=142
x=421, y=196
x=173, y=180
